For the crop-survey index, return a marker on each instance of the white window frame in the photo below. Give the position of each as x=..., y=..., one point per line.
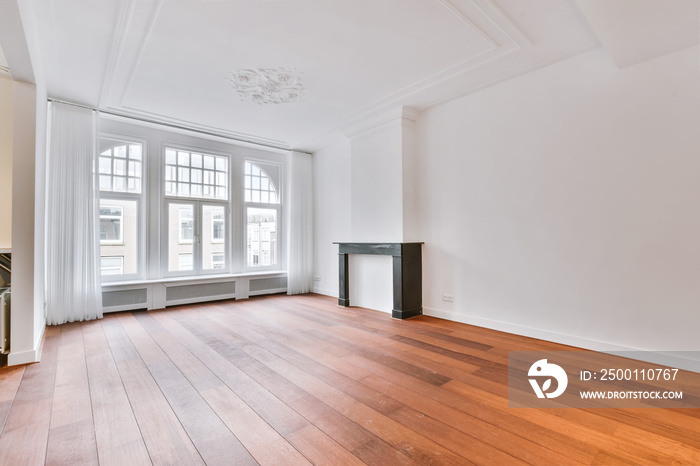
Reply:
x=196, y=242
x=107, y=141
x=278, y=207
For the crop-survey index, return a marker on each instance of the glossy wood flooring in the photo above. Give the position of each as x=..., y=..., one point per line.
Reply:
x=298, y=380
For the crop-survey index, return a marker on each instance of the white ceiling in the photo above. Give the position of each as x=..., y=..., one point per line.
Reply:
x=170, y=60
x=634, y=31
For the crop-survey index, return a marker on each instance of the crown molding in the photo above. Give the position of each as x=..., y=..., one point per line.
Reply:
x=495, y=15
x=139, y=54
x=399, y=114
x=465, y=19
x=126, y=13
x=179, y=124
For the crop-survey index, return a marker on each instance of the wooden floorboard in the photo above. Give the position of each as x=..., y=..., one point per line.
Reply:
x=299, y=380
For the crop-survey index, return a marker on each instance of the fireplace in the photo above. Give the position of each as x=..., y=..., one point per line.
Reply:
x=407, y=274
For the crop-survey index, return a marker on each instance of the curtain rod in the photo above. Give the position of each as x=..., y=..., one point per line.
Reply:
x=171, y=125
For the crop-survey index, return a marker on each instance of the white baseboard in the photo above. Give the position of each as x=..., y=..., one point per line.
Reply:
x=28, y=356
x=687, y=360
x=326, y=292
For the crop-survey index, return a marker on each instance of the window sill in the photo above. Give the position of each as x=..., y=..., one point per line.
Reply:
x=193, y=278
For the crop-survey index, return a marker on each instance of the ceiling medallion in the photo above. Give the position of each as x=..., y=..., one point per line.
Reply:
x=281, y=85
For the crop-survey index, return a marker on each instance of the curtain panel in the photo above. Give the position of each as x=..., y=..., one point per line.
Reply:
x=299, y=213
x=73, y=290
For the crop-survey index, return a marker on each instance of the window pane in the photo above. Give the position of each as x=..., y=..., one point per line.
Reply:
x=170, y=188
x=105, y=165
x=196, y=176
x=183, y=174
x=119, y=184
x=262, y=247
x=135, y=151
x=120, y=151
x=105, y=183
x=135, y=169
x=221, y=178
x=180, y=236
x=183, y=189
x=183, y=158
x=208, y=177
x=119, y=236
x=213, y=236
x=221, y=164
x=196, y=160
x=170, y=157
x=119, y=167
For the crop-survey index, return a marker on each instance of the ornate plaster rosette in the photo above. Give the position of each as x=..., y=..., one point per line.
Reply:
x=268, y=85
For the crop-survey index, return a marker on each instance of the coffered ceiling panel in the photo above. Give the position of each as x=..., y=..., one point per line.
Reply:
x=173, y=61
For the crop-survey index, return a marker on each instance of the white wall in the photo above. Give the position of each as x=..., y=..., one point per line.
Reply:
x=359, y=192
x=23, y=326
x=565, y=204
x=377, y=184
x=6, y=131
x=332, y=201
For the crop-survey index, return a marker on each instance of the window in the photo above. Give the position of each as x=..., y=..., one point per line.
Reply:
x=112, y=265
x=258, y=186
x=262, y=212
x=121, y=192
x=262, y=237
x=190, y=205
x=120, y=169
x=195, y=175
x=197, y=230
x=111, y=224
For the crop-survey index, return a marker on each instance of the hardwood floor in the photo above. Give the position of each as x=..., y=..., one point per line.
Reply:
x=299, y=380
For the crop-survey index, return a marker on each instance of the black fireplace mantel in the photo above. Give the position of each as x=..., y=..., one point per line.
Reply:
x=408, y=274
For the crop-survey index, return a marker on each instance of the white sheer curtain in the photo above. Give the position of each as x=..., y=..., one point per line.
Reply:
x=73, y=290
x=299, y=212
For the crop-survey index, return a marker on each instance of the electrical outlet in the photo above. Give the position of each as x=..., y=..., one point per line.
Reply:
x=448, y=298
x=317, y=278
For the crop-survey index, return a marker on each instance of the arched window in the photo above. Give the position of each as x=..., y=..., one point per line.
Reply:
x=120, y=168
x=259, y=188
x=262, y=203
